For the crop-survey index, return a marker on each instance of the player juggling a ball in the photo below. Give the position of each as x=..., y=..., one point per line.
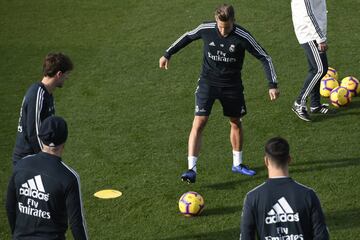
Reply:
x=225, y=43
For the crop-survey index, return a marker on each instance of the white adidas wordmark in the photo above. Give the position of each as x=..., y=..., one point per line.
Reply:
x=34, y=188
x=281, y=212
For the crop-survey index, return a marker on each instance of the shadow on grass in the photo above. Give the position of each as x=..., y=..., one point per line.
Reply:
x=261, y=173
x=323, y=164
x=354, y=104
x=232, y=233
x=343, y=219
x=295, y=167
x=220, y=211
x=340, y=112
x=235, y=183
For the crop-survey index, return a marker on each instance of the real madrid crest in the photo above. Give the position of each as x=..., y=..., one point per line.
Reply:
x=232, y=48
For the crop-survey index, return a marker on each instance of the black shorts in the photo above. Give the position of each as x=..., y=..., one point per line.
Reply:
x=231, y=99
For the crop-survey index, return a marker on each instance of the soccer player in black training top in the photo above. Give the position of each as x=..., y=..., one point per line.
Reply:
x=281, y=208
x=38, y=104
x=44, y=193
x=224, y=50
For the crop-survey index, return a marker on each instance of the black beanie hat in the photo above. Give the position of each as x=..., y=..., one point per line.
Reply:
x=53, y=131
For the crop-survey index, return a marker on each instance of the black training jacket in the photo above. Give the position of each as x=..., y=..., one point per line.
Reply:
x=282, y=209
x=223, y=57
x=43, y=196
x=37, y=105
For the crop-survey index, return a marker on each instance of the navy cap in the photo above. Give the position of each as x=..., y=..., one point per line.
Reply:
x=53, y=131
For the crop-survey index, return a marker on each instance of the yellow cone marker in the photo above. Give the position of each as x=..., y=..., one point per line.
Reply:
x=108, y=194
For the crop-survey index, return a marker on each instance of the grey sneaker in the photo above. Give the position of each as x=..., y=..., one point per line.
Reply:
x=301, y=112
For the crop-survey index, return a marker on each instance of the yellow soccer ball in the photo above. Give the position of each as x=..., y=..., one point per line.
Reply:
x=340, y=97
x=327, y=84
x=333, y=73
x=191, y=204
x=352, y=84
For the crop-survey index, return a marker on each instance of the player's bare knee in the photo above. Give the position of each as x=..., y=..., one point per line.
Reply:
x=199, y=124
x=235, y=122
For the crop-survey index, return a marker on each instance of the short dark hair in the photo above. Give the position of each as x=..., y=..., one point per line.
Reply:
x=278, y=150
x=225, y=12
x=55, y=62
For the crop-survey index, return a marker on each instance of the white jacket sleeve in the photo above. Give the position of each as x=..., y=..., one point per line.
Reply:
x=310, y=20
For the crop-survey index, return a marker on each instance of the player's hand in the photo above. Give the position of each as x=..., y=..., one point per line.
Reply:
x=323, y=47
x=163, y=62
x=274, y=93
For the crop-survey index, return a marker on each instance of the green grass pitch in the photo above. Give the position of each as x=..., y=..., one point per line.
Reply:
x=129, y=121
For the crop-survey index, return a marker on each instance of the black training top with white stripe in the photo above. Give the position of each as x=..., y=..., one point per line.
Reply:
x=37, y=105
x=281, y=208
x=224, y=56
x=43, y=197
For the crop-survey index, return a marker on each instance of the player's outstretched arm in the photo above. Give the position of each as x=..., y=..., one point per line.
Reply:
x=274, y=93
x=164, y=62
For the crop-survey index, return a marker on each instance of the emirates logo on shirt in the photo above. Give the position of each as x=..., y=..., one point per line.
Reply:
x=33, y=190
x=221, y=57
